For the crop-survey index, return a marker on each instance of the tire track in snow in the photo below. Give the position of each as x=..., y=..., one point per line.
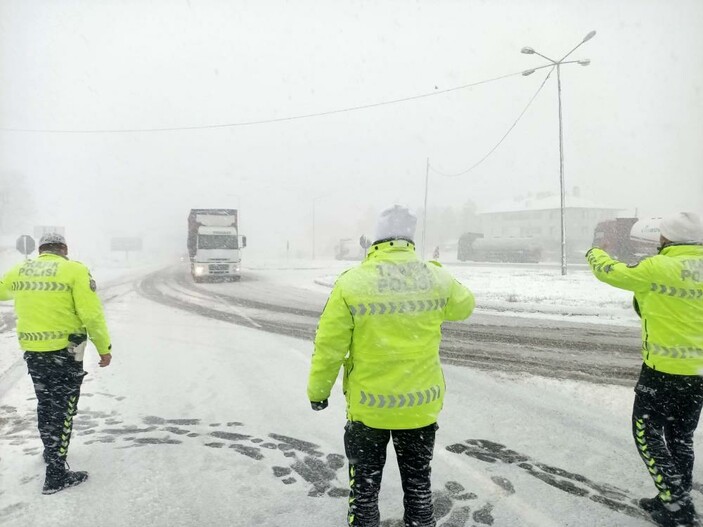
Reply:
x=160, y=288
x=598, y=354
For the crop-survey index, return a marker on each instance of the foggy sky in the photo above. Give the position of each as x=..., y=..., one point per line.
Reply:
x=632, y=119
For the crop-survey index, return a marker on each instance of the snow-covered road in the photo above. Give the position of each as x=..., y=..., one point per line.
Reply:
x=581, y=350
x=199, y=421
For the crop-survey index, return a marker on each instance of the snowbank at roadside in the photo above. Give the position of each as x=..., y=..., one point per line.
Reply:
x=540, y=292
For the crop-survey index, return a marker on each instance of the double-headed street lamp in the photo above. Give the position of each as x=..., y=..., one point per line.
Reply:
x=558, y=64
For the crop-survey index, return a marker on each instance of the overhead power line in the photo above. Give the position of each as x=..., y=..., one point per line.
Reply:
x=529, y=103
x=260, y=121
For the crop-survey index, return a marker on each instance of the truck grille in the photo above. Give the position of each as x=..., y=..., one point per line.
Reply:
x=219, y=268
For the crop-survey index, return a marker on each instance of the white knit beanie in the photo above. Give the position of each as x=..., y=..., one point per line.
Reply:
x=395, y=223
x=52, y=238
x=682, y=227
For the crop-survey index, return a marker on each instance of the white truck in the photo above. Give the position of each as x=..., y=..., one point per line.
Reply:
x=214, y=244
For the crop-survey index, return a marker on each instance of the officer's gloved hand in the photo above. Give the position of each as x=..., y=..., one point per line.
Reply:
x=317, y=406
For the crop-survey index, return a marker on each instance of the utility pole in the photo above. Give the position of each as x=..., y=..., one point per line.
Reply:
x=424, y=214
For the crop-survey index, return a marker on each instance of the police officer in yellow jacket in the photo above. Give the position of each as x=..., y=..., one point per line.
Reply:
x=57, y=310
x=383, y=322
x=668, y=291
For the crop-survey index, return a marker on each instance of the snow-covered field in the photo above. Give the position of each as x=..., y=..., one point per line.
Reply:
x=201, y=422
x=537, y=291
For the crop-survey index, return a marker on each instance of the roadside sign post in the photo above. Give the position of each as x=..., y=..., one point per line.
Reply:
x=126, y=244
x=26, y=245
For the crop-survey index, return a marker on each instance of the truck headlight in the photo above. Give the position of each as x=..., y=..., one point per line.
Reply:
x=199, y=270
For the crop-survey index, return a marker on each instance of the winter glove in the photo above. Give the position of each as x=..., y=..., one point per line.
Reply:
x=317, y=406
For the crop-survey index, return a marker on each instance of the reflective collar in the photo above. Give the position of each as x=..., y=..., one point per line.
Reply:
x=681, y=248
x=390, y=245
x=50, y=253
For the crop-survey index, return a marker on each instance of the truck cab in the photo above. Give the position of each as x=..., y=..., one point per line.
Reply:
x=214, y=244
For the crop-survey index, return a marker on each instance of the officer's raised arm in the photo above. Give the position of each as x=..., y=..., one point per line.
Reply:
x=461, y=302
x=636, y=277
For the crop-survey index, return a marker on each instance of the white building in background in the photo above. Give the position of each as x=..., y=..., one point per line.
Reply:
x=537, y=217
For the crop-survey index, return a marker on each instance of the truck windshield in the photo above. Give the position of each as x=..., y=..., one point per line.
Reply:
x=217, y=241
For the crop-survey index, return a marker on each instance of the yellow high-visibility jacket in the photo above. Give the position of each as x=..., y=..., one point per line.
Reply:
x=383, y=322
x=54, y=298
x=668, y=289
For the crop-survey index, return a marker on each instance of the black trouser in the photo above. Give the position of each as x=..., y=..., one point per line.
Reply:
x=366, y=451
x=57, y=379
x=664, y=417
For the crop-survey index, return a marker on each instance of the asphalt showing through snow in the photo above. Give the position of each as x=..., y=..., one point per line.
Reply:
x=601, y=354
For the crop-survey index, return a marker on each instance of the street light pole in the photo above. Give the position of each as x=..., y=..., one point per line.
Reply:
x=562, y=188
x=424, y=212
x=562, y=203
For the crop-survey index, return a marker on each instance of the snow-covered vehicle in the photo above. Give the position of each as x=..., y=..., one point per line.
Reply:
x=628, y=239
x=349, y=249
x=474, y=247
x=214, y=244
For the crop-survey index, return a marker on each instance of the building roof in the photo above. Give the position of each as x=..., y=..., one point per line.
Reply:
x=543, y=201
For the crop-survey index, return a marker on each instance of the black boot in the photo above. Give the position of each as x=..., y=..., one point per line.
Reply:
x=680, y=513
x=650, y=504
x=59, y=478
